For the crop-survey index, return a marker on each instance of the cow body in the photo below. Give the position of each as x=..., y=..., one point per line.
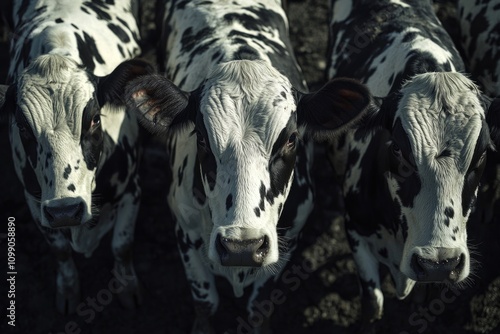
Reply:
x=480, y=38
x=480, y=42
x=74, y=146
x=411, y=182
x=241, y=189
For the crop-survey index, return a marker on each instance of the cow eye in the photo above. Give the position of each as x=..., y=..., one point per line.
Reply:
x=292, y=140
x=96, y=120
x=396, y=150
x=201, y=139
x=24, y=132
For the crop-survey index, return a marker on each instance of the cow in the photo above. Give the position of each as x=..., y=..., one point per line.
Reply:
x=480, y=44
x=238, y=126
x=74, y=146
x=480, y=41
x=410, y=174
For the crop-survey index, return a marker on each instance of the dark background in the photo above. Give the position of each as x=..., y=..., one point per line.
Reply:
x=325, y=301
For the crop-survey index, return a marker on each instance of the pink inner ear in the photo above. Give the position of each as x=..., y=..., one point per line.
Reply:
x=151, y=112
x=139, y=94
x=350, y=94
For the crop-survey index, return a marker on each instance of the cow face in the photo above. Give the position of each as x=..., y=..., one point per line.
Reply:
x=57, y=135
x=247, y=123
x=435, y=160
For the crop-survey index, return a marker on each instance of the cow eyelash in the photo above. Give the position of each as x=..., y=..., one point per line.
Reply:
x=96, y=121
x=404, y=168
x=292, y=140
x=200, y=139
x=396, y=150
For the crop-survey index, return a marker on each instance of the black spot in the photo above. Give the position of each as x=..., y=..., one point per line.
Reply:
x=241, y=276
x=447, y=222
x=262, y=191
x=383, y=252
x=119, y=32
x=180, y=172
x=475, y=170
x=98, y=8
x=67, y=171
x=455, y=230
x=283, y=159
x=59, y=20
x=88, y=51
x=449, y=212
x=229, y=201
x=246, y=52
x=257, y=212
x=71, y=187
x=404, y=225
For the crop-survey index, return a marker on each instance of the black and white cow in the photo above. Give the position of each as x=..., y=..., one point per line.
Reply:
x=74, y=146
x=237, y=128
x=410, y=176
x=480, y=40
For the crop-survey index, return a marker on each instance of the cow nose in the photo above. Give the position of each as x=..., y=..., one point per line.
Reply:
x=64, y=215
x=447, y=266
x=242, y=253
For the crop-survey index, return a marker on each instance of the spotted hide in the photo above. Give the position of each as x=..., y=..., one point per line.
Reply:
x=74, y=146
x=480, y=41
x=237, y=124
x=410, y=176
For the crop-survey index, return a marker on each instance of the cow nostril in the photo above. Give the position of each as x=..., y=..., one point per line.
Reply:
x=219, y=246
x=458, y=264
x=263, y=249
x=416, y=265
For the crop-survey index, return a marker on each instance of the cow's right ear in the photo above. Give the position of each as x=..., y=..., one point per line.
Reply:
x=493, y=120
x=110, y=88
x=160, y=105
x=7, y=101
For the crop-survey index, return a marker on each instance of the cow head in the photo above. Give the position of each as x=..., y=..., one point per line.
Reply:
x=434, y=161
x=246, y=123
x=57, y=136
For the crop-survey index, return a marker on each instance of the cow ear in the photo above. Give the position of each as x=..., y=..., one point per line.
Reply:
x=110, y=88
x=160, y=105
x=493, y=120
x=335, y=108
x=383, y=113
x=7, y=101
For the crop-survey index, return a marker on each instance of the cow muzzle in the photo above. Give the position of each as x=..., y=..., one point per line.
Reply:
x=446, y=265
x=242, y=252
x=61, y=213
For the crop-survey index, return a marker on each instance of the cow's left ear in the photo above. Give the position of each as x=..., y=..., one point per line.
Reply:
x=111, y=88
x=493, y=120
x=335, y=108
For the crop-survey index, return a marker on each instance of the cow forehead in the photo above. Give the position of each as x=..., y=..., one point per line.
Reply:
x=441, y=112
x=246, y=102
x=54, y=91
